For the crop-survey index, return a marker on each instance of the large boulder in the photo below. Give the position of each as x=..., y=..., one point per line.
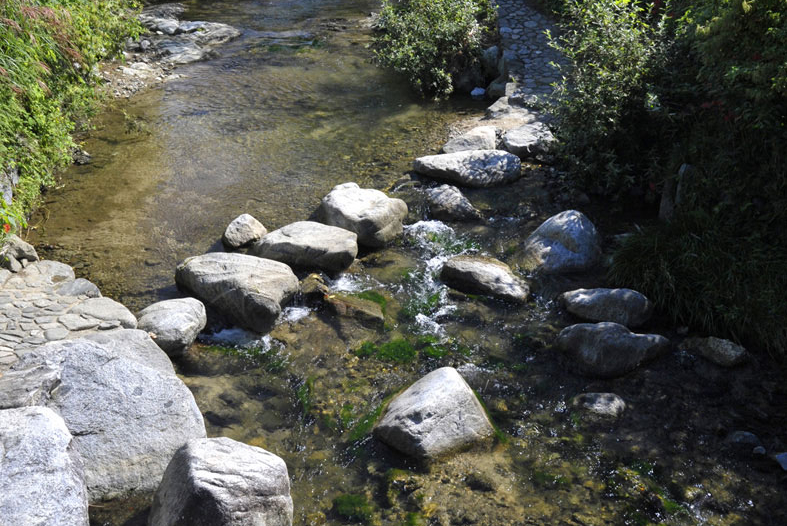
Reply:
x=609, y=350
x=311, y=245
x=41, y=481
x=566, y=242
x=247, y=289
x=221, y=482
x=436, y=415
x=174, y=323
x=375, y=217
x=243, y=230
x=479, y=138
x=529, y=140
x=124, y=405
x=476, y=168
x=484, y=275
x=624, y=306
x=721, y=352
x=447, y=203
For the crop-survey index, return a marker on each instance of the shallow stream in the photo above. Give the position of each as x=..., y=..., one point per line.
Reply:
x=268, y=127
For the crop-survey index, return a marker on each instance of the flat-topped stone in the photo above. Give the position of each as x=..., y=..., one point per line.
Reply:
x=624, y=306
x=479, y=138
x=310, y=245
x=484, y=275
x=475, y=168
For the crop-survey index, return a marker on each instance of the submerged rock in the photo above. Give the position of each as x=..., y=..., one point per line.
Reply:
x=372, y=215
x=476, y=168
x=175, y=323
x=41, y=479
x=436, y=415
x=447, y=203
x=311, y=245
x=124, y=405
x=221, y=482
x=242, y=231
x=479, y=138
x=528, y=141
x=609, y=350
x=603, y=405
x=719, y=351
x=484, y=275
x=360, y=309
x=566, y=242
x=247, y=289
x=624, y=306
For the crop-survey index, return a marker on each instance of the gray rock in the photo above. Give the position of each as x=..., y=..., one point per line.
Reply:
x=781, y=458
x=529, y=140
x=75, y=322
x=719, y=351
x=311, y=245
x=624, y=306
x=436, y=415
x=609, y=350
x=360, y=309
x=175, y=323
x=127, y=415
x=27, y=386
x=168, y=10
x=503, y=109
x=105, y=309
x=490, y=60
x=447, y=203
x=15, y=248
x=79, y=287
x=566, y=242
x=603, y=405
x=218, y=481
x=247, y=289
x=484, y=275
x=41, y=479
x=242, y=231
x=479, y=138
x=9, y=178
x=744, y=439
x=375, y=217
x=477, y=168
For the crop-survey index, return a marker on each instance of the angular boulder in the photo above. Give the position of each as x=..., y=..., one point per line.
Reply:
x=719, y=351
x=375, y=217
x=436, y=415
x=529, y=140
x=247, y=289
x=447, y=203
x=242, y=231
x=41, y=479
x=124, y=405
x=609, y=350
x=566, y=242
x=221, y=482
x=475, y=169
x=175, y=323
x=484, y=275
x=307, y=244
x=624, y=306
x=479, y=138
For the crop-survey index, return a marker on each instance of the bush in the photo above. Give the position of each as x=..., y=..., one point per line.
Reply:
x=431, y=41
x=48, y=49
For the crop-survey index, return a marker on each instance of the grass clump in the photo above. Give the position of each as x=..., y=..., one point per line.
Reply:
x=396, y=351
x=353, y=507
x=304, y=395
x=373, y=296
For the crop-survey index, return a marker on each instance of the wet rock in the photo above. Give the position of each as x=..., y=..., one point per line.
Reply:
x=372, y=215
x=313, y=288
x=311, y=245
x=609, y=350
x=247, y=289
x=479, y=138
x=79, y=287
x=436, y=415
x=128, y=414
x=476, y=168
x=529, y=141
x=566, y=242
x=447, y=203
x=218, y=481
x=624, y=306
x=175, y=323
x=604, y=405
x=484, y=275
x=243, y=230
x=719, y=351
x=360, y=309
x=41, y=479
x=105, y=309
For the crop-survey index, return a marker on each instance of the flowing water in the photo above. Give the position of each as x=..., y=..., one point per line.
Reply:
x=268, y=127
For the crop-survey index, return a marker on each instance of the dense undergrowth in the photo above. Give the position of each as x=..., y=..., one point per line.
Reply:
x=658, y=85
x=48, y=53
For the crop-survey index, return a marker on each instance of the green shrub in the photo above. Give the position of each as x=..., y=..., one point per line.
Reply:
x=48, y=49
x=430, y=41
